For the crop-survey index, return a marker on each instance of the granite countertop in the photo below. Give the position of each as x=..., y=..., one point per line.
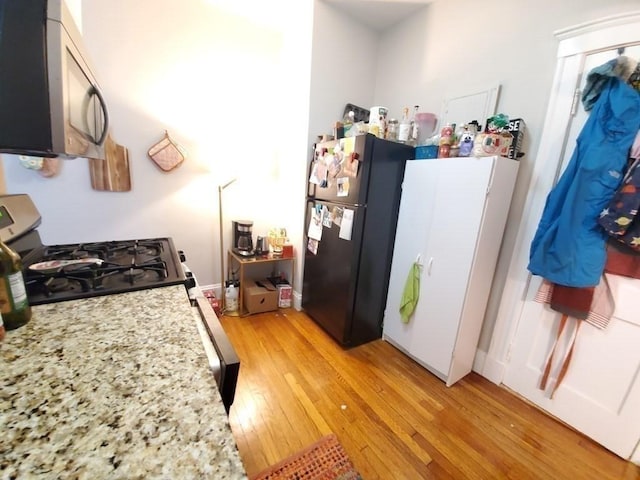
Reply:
x=116, y=386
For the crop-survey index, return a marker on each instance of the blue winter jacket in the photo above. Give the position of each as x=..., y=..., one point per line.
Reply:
x=569, y=245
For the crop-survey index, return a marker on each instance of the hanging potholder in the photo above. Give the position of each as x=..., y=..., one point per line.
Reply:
x=166, y=153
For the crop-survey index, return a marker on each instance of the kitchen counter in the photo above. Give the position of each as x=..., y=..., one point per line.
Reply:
x=116, y=386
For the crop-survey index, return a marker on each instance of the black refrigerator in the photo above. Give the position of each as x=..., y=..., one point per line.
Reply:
x=353, y=198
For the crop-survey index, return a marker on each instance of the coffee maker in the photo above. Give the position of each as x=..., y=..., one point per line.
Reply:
x=242, y=237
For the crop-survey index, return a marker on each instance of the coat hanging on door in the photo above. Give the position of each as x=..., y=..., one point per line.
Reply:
x=569, y=246
x=624, y=68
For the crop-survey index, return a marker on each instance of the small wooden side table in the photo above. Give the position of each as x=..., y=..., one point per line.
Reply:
x=243, y=262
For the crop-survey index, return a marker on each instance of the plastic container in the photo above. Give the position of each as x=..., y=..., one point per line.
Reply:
x=424, y=152
x=231, y=296
x=426, y=126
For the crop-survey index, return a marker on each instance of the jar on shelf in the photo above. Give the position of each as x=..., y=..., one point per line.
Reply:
x=277, y=238
x=392, y=130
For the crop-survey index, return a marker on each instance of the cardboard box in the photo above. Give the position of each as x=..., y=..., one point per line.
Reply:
x=517, y=128
x=260, y=296
x=488, y=144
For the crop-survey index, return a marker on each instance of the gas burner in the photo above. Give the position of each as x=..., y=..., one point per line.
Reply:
x=57, y=284
x=71, y=252
x=134, y=273
x=141, y=250
x=53, y=287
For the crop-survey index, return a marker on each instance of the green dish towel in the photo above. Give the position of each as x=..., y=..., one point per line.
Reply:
x=411, y=293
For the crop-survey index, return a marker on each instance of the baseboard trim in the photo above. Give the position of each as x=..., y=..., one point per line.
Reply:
x=297, y=300
x=479, y=361
x=493, y=370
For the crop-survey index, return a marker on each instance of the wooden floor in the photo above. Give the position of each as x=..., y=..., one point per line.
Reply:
x=394, y=419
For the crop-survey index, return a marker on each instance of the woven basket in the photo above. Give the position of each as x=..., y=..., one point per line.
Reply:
x=324, y=460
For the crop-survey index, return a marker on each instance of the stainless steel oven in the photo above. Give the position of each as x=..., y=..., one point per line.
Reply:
x=56, y=273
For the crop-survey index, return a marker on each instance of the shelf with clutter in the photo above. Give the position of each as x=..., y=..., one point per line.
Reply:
x=255, y=292
x=501, y=135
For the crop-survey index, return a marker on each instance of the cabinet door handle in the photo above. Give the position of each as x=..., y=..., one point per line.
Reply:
x=429, y=266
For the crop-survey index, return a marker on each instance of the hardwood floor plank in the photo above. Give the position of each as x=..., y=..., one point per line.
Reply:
x=345, y=394
x=307, y=405
x=366, y=384
x=395, y=419
x=525, y=444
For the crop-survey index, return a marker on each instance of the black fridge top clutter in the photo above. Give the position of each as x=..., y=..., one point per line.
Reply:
x=352, y=209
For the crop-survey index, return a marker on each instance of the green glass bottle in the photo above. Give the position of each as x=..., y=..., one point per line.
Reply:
x=14, y=305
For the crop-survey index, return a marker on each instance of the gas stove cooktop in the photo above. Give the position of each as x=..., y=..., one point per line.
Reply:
x=53, y=274
x=81, y=270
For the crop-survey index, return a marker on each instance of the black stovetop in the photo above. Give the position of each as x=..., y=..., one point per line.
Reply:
x=124, y=266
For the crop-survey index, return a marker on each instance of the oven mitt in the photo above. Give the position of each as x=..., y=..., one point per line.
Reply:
x=411, y=293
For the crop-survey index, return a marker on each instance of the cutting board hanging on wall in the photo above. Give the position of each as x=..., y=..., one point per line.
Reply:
x=111, y=174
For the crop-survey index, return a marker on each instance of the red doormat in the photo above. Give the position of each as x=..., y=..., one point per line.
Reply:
x=324, y=460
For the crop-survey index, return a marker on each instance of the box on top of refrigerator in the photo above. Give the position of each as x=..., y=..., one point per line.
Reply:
x=517, y=128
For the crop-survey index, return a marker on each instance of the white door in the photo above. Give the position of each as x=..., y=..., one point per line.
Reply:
x=600, y=396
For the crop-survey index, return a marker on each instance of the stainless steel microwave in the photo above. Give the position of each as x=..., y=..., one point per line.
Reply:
x=50, y=101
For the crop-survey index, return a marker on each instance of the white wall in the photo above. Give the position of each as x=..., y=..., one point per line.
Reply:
x=230, y=82
x=455, y=46
x=344, y=62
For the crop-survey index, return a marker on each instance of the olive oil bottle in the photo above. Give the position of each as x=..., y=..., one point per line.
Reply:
x=14, y=305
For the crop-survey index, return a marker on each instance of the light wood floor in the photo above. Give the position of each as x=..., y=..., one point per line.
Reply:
x=394, y=419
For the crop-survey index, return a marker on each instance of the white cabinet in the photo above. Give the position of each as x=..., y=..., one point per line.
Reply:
x=452, y=218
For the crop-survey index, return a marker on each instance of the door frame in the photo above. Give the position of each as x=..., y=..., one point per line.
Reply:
x=575, y=43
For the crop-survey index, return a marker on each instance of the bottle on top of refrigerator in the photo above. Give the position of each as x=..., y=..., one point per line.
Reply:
x=413, y=135
x=404, y=127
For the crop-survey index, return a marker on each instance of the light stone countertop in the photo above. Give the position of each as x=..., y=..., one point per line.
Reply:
x=114, y=387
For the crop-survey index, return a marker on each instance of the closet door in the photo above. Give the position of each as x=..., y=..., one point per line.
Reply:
x=459, y=195
x=601, y=392
x=415, y=221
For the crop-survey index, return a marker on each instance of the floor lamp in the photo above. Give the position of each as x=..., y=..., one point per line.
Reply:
x=224, y=302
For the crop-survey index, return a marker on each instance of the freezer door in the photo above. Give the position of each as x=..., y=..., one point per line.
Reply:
x=330, y=274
